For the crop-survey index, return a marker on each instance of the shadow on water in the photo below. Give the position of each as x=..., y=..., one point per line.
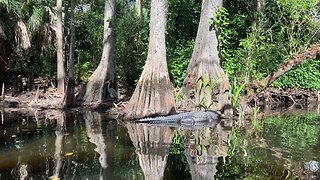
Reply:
x=89, y=145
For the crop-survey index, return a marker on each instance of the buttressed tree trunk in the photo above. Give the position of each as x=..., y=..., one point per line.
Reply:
x=60, y=59
x=153, y=94
x=95, y=89
x=204, y=67
x=69, y=95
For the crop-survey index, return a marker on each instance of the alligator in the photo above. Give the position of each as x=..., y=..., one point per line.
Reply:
x=188, y=120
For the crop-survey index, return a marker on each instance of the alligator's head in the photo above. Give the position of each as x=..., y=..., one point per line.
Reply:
x=218, y=112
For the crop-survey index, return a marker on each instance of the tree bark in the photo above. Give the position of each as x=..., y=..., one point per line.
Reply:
x=95, y=88
x=310, y=53
x=60, y=58
x=153, y=94
x=139, y=7
x=258, y=4
x=205, y=64
x=69, y=95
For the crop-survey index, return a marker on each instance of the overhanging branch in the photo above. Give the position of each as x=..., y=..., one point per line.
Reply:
x=310, y=53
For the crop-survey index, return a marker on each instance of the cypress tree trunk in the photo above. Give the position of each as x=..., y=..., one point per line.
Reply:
x=95, y=88
x=204, y=67
x=153, y=94
x=69, y=95
x=60, y=59
x=258, y=5
x=139, y=7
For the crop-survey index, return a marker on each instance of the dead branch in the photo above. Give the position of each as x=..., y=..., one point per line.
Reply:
x=2, y=92
x=37, y=95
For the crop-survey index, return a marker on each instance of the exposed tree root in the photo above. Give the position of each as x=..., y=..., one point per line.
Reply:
x=281, y=97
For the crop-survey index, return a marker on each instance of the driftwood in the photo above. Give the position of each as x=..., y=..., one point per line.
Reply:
x=311, y=53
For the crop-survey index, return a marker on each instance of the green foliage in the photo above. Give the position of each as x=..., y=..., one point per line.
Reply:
x=304, y=76
x=38, y=59
x=131, y=42
x=179, y=62
x=247, y=51
x=221, y=20
x=177, y=146
x=283, y=28
x=83, y=71
x=89, y=39
x=206, y=84
x=12, y=6
x=182, y=24
x=236, y=90
x=298, y=6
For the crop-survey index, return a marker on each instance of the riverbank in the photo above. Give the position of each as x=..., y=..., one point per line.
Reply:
x=48, y=98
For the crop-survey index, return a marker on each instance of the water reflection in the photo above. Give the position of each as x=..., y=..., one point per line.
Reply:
x=2, y=116
x=88, y=145
x=152, y=146
x=58, y=153
x=94, y=132
x=203, y=147
x=66, y=146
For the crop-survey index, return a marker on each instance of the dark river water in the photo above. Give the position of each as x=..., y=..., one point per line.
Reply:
x=89, y=145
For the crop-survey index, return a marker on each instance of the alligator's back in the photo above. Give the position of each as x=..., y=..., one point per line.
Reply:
x=188, y=119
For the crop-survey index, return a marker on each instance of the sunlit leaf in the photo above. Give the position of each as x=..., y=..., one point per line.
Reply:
x=68, y=154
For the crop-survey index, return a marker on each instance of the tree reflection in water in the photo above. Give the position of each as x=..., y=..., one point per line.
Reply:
x=58, y=157
x=94, y=132
x=152, y=146
x=204, y=146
